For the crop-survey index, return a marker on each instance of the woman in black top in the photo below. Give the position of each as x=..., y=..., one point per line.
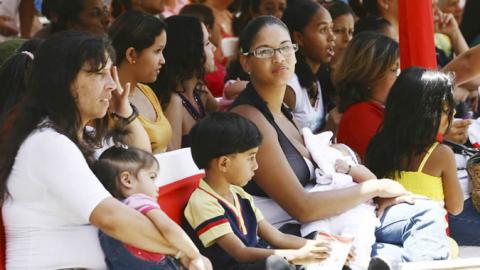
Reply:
x=268, y=55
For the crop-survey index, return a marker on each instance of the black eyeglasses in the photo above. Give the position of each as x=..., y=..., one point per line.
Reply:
x=267, y=52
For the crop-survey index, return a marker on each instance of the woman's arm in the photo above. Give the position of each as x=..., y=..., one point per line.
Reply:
x=312, y=251
x=466, y=66
x=211, y=104
x=277, y=239
x=174, y=114
x=451, y=186
x=173, y=233
x=129, y=226
x=275, y=176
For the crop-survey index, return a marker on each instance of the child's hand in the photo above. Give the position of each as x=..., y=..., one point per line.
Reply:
x=314, y=251
x=341, y=166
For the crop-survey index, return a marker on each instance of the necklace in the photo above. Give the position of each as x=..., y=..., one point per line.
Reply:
x=196, y=115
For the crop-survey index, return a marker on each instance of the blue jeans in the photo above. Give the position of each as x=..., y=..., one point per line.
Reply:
x=412, y=233
x=465, y=227
x=119, y=258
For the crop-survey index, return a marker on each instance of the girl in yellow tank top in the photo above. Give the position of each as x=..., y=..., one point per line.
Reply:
x=419, y=106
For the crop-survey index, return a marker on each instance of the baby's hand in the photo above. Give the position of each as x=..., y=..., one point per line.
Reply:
x=341, y=166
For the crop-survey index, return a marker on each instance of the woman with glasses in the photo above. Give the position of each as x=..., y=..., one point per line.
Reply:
x=310, y=26
x=183, y=94
x=285, y=171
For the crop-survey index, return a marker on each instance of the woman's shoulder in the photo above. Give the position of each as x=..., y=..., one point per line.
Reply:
x=253, y=114
x=47, y=135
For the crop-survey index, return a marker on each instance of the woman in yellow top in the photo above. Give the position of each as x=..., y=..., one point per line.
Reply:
x=419, y=108
x=139, y=40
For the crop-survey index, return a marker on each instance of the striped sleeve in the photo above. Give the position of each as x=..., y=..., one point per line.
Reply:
x=207, y=217
x=141, y=202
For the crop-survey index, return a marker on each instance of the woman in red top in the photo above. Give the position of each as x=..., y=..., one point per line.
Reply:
x=363, y=80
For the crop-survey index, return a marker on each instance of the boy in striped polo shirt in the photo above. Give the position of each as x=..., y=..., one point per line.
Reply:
x=221, y=217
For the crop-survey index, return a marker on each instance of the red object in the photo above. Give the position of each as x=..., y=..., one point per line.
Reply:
x=359, y=124
x=216, y=80
x=145, y=255
x=439, y=137
x=173, y=197
x=417, y=45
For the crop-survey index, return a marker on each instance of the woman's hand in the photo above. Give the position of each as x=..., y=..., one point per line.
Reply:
x=120, y=103
x=458, y=131
x=384, y=203
x=314, y=251
x=445, y=23
x=388, y=188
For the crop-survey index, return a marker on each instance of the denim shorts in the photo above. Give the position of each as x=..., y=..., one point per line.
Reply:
x=119, y=258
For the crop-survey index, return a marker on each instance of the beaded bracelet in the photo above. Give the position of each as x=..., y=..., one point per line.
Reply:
x=127, y=120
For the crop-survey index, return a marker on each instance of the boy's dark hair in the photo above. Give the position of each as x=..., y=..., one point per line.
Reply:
x=118, y=159
x=222, y=133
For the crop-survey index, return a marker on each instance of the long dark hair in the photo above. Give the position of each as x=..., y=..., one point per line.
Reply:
x=366, y=60
x=297, y=16
x=56, y=66
x=14, y=74
x=412, y=118
x=469, y=25
x=184, y=56
x=134, y=29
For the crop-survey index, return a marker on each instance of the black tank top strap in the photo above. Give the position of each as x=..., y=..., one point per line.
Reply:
x=197, y=115
x=250, y=97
